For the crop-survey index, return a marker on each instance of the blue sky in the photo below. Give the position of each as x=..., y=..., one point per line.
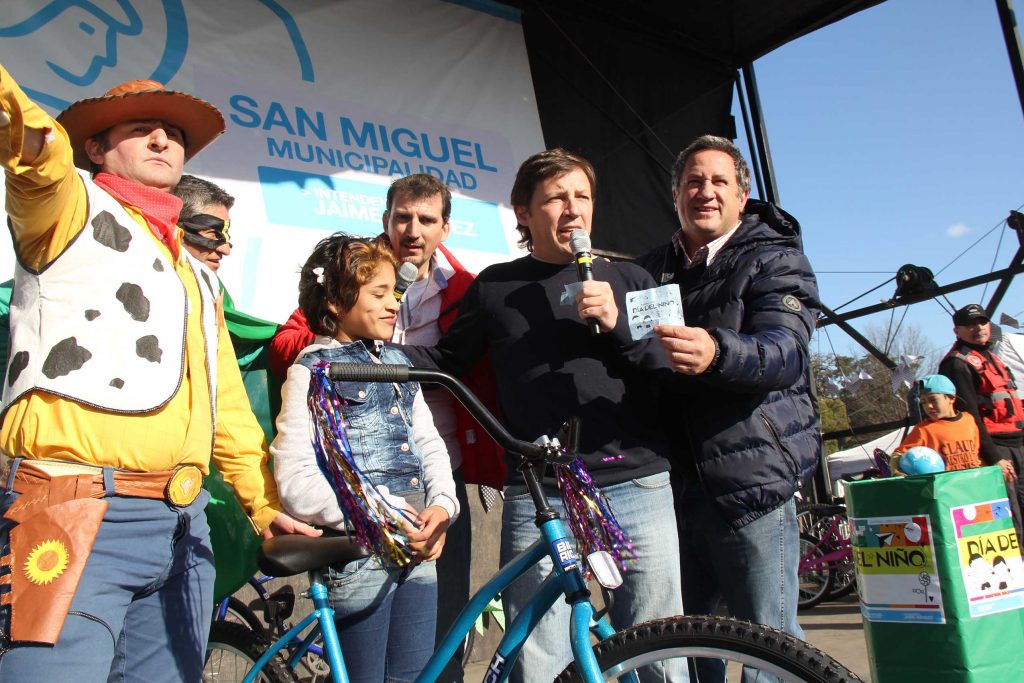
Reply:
x=896, y=136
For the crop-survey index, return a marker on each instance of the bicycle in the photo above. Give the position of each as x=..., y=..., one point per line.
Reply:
x=276, y=608
x=615, y=655
x=826, y=569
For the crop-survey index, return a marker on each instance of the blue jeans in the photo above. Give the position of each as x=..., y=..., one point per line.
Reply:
x=753, y=568
x=143, y=605
x=385, y=618
x=651, y=587
x=453, y=576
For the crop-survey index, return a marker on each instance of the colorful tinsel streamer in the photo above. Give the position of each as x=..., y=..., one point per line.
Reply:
x=371, y=519
x=591, y=517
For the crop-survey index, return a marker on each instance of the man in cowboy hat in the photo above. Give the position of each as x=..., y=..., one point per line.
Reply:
x=121, y=387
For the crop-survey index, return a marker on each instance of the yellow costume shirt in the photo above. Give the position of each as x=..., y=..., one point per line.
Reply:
x=47, y=205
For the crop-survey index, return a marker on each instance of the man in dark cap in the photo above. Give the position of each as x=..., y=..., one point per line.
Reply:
x=987, y=390
x=121, y=388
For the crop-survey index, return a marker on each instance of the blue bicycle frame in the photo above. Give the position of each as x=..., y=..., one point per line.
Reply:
x=323, y=615
x=257, y=584
x=565, y=580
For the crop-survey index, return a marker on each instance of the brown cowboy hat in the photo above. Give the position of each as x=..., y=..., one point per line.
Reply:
x=141, y=100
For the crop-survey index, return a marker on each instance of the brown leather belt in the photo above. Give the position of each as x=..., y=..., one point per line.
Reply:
x=179, y=487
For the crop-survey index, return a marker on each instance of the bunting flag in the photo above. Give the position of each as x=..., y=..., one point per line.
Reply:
x=904, y=375
x=1008, y=321
x=371, y=519
x=903, y=378
x=858, y=382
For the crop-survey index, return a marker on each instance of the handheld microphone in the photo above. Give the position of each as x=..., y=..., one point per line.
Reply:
x=405, y=276
x=579, y=242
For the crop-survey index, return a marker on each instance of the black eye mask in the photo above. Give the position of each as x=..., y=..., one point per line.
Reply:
x=203, y=221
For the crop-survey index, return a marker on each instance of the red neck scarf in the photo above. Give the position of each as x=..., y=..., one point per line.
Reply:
x=160, y=208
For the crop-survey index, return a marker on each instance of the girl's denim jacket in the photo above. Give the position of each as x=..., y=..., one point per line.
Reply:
x=378, y=416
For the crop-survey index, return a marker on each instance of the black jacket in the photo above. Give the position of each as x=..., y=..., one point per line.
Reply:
x=748, y=428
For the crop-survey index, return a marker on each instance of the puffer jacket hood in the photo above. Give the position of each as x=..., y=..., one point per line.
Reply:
x=768, y=224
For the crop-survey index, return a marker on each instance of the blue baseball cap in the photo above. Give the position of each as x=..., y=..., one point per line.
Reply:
x=936, y=384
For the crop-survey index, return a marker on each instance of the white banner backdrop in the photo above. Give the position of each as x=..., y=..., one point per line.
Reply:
x=325, y=102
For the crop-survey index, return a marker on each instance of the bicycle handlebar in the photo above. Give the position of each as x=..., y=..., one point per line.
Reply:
x=385, y=372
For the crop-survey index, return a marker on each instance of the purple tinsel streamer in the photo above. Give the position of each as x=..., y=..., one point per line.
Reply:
x=371, y=520
x=591, y=517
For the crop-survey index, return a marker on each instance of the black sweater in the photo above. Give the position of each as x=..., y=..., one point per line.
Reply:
x=548, y=367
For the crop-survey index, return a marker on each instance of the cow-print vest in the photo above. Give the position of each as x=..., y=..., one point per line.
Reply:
x=103, y=324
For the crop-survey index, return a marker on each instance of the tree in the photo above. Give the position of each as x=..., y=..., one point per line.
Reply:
x=833, y=419
x=867, y=402
x=828, y=380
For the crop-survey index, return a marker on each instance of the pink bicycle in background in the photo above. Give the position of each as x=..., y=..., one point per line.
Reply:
x=827, y=570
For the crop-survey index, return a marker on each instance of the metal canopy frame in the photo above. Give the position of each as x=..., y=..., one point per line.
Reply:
x=764, y=173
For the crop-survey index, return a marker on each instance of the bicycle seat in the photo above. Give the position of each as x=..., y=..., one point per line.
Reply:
x=294, y=554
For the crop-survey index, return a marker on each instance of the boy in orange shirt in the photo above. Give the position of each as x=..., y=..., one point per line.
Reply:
x=949, y=432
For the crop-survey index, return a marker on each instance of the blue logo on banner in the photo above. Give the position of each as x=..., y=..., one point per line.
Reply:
x=310, y=200
x=97, y=31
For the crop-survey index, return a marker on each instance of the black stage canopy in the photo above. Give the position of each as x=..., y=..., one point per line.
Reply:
x=628, y=85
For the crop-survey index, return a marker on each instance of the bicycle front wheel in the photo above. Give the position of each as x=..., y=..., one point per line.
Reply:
x=233, y=650
x=757, y=647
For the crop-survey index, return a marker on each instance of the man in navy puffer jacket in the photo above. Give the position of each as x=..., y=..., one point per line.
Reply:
x=748, y=432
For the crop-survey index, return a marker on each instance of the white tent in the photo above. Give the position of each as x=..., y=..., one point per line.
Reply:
x=856, y=460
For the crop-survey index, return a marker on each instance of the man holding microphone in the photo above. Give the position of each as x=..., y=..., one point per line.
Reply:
x=533, y=315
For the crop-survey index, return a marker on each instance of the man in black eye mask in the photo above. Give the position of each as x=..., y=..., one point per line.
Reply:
x=204, y=218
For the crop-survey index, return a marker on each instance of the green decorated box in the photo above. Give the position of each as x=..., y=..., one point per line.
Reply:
x=940, y=577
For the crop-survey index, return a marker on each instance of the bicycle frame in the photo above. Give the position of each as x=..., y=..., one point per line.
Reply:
x=257, y=583
x=565, y=580
x=323, y=615
x=841, y=549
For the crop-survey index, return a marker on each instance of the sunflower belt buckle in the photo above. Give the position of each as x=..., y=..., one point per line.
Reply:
x=184, y=485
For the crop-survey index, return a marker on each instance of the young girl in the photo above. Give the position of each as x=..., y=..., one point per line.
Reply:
x=385, y=613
